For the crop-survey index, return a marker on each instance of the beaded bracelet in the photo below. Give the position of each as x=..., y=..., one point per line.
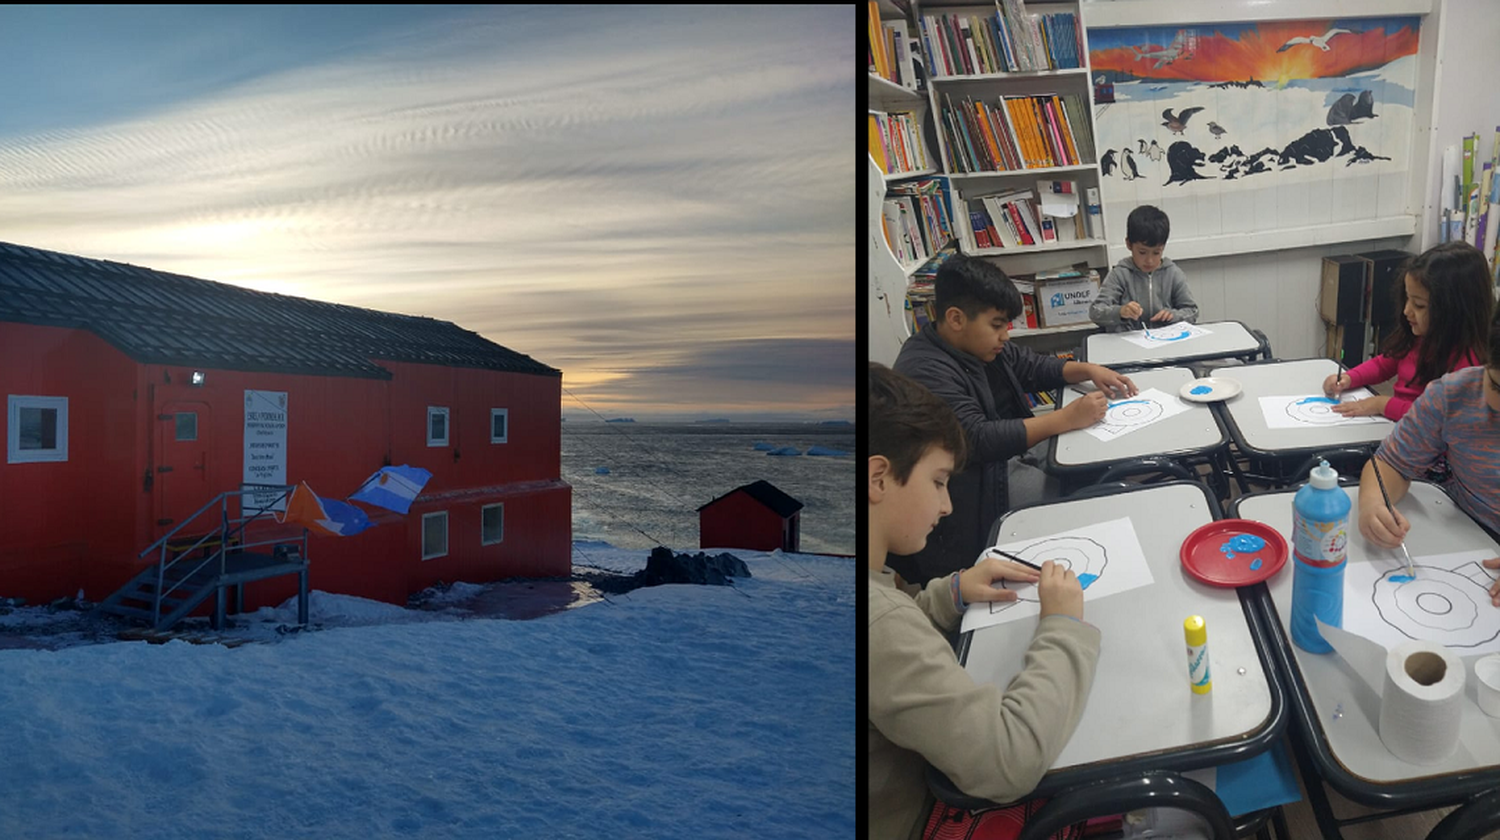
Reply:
x=958, y=598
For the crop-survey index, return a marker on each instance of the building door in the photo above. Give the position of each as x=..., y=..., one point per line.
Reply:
x=184, y=481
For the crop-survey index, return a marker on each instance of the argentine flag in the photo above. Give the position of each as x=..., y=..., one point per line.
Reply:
x=393, y=488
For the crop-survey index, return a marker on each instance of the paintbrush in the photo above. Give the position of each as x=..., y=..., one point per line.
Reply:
x=1013, y=558
x=1410, y=568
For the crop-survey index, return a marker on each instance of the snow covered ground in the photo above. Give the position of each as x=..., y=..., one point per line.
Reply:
x=669, y=711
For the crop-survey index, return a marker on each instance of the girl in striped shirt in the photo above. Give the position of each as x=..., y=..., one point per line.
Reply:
x=1457, y=416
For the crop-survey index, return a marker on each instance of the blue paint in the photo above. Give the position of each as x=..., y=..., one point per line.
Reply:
x=1202, y=389
x=1325, y=400
x=1402, y=578
x=1128, y=402
x=1243, y=543
x=1085, y=580
x=1156, y=336
x=1255, y=565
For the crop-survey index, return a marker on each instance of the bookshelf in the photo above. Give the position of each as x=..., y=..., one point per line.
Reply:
x=910, y=216
x=994, y=76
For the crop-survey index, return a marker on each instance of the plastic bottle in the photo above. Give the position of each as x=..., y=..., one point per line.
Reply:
x=1320, y=539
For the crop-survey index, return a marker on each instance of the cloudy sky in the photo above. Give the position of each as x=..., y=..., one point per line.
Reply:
x=659, y=202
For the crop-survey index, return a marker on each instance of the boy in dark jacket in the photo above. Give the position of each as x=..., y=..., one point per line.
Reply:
x=966, y=357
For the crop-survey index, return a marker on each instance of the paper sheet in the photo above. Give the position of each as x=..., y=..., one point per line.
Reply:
x=1448, y=602
x=1162, y=336
x=1304, y=411
x=1107, y=558
x=1137, y=412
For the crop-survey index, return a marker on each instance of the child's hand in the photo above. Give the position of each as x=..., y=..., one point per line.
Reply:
x=1084, y=411
x=1367, y=407
x=1131, y=310
x=1377, y=526
x=1335, y=384
x=1494, y=563
x=1059, y=591
x=977, y=584
x=1117, y=385
x=1164, y=315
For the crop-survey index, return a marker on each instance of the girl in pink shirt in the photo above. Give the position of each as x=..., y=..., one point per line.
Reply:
x=1445, y=300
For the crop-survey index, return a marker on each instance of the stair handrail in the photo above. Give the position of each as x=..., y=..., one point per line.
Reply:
x=221, y=500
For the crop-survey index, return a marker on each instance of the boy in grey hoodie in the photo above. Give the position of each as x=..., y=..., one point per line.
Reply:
x=1144, y=289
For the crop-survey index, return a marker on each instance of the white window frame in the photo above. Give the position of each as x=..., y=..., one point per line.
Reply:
x=425, y=517
x=447, y=425
x=482, y=510
x=14, y=453
x=503, y=412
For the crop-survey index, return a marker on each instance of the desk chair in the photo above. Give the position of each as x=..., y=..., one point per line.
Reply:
x=1348, y=461
x=1474, y=819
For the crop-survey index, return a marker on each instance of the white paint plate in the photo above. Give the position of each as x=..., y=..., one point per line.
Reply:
x=1219, y=388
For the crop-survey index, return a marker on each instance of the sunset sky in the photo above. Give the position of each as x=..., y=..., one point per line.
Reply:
x=657, y=201
x=1261, y=51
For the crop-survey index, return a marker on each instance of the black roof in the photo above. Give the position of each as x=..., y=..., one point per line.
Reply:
x=766, y=493
x=156, y=317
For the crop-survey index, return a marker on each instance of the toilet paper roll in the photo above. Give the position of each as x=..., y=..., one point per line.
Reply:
x=1421, y=688
x=1421, y=706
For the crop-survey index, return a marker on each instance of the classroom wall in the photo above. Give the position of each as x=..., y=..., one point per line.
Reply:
x=1273, y=291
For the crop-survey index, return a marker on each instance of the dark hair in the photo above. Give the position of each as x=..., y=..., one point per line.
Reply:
x=974, y=285
x=906, y=420
x=1147, y=225
x=1494, y=359
x=1460, y=301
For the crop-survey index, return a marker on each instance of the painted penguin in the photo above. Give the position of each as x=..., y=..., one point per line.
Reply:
x=1107, y=163
x=1131, y=173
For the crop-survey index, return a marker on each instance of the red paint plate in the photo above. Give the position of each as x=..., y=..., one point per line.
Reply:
x=1203, y=557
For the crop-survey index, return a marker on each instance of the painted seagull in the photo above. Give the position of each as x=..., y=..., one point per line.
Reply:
x=1216, y=129
x=1319, y=41
x=1179, y=122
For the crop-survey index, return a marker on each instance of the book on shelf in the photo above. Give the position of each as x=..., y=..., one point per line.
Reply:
x=1095, y=211
x=1011, y=133
x=1060, y=204
x=1008, y=40
x=1008, y=220
x=923, y=211
x=900, y=149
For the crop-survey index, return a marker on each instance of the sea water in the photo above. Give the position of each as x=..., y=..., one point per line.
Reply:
x=660, y=473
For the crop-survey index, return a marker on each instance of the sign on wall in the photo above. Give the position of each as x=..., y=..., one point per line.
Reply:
x=265, y=448
x=1292, y=123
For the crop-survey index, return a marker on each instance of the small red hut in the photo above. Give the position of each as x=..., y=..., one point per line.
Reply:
x=756, y=516
x=134, y=397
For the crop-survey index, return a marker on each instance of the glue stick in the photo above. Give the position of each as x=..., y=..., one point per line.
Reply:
x=1197, y=653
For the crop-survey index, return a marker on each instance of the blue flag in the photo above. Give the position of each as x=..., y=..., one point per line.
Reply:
x=393, y=488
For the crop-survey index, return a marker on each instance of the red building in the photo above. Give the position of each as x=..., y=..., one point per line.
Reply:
x=133, y=395
x=756, y=516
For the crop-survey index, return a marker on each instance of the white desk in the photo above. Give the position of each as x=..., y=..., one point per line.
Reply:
x=1140, y=704
x=1227, y=339
x=1193, y=432
x=1438, y=526
x=1247, y=423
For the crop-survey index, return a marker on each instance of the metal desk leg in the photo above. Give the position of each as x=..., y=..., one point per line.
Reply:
x=1317, y=797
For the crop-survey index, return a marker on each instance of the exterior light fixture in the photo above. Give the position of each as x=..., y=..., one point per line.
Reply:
x=198, y=379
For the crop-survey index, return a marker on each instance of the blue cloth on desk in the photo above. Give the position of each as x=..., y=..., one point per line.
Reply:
x=1264, y=781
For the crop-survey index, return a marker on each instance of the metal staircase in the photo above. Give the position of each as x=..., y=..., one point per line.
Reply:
x=190, y=569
